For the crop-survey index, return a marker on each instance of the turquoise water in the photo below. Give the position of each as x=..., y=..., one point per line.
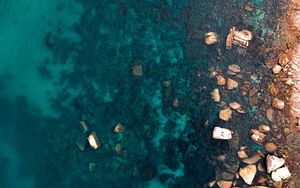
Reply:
x=62, y=62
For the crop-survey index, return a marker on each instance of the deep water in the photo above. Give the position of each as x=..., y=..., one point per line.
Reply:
x=62, y=62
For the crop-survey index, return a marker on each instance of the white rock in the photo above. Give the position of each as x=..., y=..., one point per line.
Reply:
x=93, y=140
x=248, y=173
x=274, y=163
x=276, y=69
x=211, y=38
x=221, y=133
x=281, y=174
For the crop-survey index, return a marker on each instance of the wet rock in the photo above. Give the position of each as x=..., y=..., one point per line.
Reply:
x=225, y=114
x=231, y=84
x=242, y=154
x=93, y=140
x=277, y=103
x=221, y=80
x=119, y=128
x=252, y=160
x=233, y=69
x=235, y=105
x=137, y=70
x=270, y=147
x=211, y=38
x=281, y=174
x=283, y=59
x=258, y=136
x=274, y=163
x=248, y=173
x=222, y=133
x=224, y=184
x=264, y=128
x=270, y=114
x=216, y=95
x=276, y=69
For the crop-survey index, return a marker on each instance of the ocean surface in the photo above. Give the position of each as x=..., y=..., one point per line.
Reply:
x=66, y=61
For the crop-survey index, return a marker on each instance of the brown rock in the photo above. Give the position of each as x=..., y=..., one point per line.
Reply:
x=211, y=38
x=270, y=114
x=262, y=179
x=270, y=147
x=273, y=90
x=231, y=84
x=221, y=80
x=283, y=59
x=242, y=154
x=234, y=105
x=277, y=103
x=224, y=184
x=264, y=128
x=258, y=136
x=233, y=69
x=225, y=114
x=119, y=128
x=252, y=160
x=248, y=173
x=260, y=167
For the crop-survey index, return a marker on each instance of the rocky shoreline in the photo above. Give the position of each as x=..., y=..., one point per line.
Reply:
x=279, y=138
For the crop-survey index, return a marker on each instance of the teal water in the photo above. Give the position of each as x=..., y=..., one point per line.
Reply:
x=62, y=62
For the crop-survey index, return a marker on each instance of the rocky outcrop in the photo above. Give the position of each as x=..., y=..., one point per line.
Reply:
x=248, y=173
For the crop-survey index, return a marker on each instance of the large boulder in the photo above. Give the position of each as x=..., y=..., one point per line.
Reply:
x=221, y=133
x=281, y=174
x=248, y=173
x=274, y=163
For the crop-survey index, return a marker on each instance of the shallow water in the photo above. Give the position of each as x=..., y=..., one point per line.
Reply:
x=62, y=62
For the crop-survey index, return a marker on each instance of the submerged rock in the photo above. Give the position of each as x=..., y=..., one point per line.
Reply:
x=221, y=80
x=233, y=69
x=248, y=173
x=281, y=174
x=222, y=133
x=119, y=128
x=274, y=163
x=225, y=114
x=211, y=38
x=216, y=95
x=235, y=105
x=137, y=70
x=232, y=84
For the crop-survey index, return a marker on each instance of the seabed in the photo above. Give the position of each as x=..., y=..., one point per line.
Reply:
x=118, y=93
